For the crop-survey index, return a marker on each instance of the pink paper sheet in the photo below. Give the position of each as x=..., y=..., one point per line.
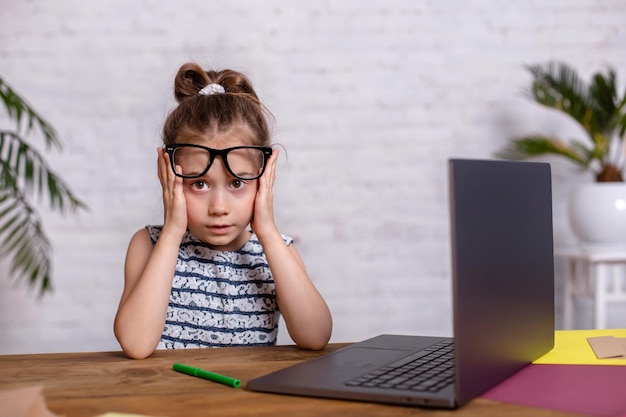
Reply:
x=24, y=402
x=595, y=390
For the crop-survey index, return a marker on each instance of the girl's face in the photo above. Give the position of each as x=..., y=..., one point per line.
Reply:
x=220, y=206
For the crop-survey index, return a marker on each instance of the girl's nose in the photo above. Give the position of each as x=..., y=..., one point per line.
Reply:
x=218, y=197
x=218, y=202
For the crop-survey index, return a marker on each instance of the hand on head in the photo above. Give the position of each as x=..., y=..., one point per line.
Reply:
x=174, y=205
x=263, y=219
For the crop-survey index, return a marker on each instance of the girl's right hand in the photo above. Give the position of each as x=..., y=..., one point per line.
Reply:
x=174, y=205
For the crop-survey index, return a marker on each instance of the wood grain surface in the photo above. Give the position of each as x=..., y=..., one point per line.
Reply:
x=90, y=384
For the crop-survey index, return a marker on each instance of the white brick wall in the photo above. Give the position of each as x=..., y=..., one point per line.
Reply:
x=370, y=99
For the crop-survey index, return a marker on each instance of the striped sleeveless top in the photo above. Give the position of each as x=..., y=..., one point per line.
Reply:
x=220, y=298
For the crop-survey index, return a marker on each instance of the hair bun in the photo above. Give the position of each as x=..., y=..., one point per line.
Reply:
x=189, y=81
x=192, y=80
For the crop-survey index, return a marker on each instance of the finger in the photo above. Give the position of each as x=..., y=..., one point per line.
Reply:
x=274, y=158
x=171, y=184
x=160, y=166
x=176, y=180
x=266, y=183
x=169, y=176
x=164, y=167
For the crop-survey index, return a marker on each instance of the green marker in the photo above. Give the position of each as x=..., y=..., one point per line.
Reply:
x=211, y=376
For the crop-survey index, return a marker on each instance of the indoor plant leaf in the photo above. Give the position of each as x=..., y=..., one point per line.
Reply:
x=595, y=106
x=24, y=174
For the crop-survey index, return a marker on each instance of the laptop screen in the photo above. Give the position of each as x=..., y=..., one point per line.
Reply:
x=502, y=249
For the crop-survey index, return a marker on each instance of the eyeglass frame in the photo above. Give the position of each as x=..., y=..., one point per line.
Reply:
x=222, y=153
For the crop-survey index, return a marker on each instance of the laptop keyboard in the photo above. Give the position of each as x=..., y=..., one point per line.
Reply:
x=428, y=370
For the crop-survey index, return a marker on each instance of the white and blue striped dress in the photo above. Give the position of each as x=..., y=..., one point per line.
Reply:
x=220, y=298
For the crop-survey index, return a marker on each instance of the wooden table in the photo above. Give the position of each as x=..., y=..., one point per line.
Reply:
x=90, y=384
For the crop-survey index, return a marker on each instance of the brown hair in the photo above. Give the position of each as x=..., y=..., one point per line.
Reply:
x=208, y=115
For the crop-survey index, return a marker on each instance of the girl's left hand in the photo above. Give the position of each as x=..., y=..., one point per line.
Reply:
x=263, y=219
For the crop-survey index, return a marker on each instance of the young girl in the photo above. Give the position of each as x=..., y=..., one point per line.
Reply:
x=204, y=279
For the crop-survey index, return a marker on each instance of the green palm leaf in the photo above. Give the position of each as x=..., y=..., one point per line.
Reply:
x=595, y=106
x=530, y=146
x=17, y=108
x=558, y=86
x=23, y=240
x=620, y=117
x=24, y=174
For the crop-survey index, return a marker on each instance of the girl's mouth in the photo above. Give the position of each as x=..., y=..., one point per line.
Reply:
x=219, y=229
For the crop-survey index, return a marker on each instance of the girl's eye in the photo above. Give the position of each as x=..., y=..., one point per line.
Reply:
x=236, y=184
x=198, y=185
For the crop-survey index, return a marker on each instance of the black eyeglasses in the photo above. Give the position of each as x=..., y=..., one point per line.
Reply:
x=242, y=162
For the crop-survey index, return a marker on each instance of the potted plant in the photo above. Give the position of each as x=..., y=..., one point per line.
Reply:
x=599, y=108
x=25, y=175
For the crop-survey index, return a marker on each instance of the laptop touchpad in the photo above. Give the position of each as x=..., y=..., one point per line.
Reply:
x=366, y=357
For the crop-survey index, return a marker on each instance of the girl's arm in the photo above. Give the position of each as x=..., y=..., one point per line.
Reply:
x=148, y=275
x=149, y=272
x=306, y=314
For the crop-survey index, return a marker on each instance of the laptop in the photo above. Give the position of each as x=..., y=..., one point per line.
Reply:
x=503, y=302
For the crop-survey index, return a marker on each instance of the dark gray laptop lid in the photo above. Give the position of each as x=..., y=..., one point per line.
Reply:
x=503, y=271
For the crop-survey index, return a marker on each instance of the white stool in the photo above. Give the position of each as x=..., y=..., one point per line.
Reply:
x=598, y=273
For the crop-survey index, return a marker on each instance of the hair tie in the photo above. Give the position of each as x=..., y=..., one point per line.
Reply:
x=212, y=89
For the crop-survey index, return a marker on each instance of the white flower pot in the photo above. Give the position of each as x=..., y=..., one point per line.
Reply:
x=597, y=213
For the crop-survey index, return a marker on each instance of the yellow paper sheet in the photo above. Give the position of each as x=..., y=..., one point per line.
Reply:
x=571, y=348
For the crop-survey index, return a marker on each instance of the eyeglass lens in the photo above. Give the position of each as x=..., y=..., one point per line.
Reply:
x=243, y=163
